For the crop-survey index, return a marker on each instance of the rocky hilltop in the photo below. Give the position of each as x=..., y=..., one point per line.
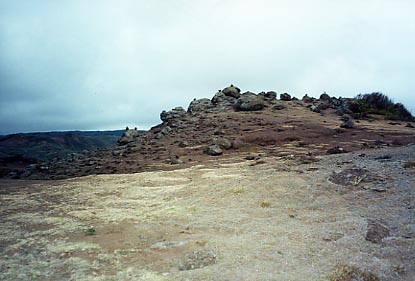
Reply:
x=234, y=126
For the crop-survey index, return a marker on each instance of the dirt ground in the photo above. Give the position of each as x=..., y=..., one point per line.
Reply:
x=277, y=218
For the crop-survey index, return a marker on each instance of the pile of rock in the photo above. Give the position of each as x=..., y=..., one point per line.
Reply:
x=128, y=136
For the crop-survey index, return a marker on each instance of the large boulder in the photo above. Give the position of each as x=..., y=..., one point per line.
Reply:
x=177, y=112
x=199, y=105
x=223, y=143
x=213, y=150
x=128, y=136
x=232, y=91
x=285, y=97
x=307, y=99
x=325, y=97
x=268, y=96
x=249, y=102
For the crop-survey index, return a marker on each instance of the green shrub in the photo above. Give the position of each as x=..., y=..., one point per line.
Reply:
x=380, y=104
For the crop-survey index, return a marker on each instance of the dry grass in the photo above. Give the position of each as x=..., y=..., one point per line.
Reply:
x=351, y=273
x=409, y=164
x=259, y=222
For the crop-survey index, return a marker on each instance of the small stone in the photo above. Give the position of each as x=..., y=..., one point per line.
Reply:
x=376, y=231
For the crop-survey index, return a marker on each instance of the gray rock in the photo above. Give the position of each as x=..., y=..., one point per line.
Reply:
x=175, y=160
x=177, y=112
x=315, y=109
x=223, y=143
x=285, y=97
x=200, y=105
x=278, y=107
x=213, y=150
x=307, y=99
x=218, y=97
x=249, y=102
x=184, y=143
x=336, y=150
x=232, y=91
x=348, y=124
x=128, y=136
x=270, y=96
x=324, y=96
x=349, y=177
x=376, y=231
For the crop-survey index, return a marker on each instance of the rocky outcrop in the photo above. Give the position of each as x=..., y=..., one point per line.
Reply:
x=249, y=102
x=177, y=112
x=325, y=97
x=128, y=136
x=232, y=91
x=270, y=96
x=307, y=99
x=200, y=105
x=285, y=97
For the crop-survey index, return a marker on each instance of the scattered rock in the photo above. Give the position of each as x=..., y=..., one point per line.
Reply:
x=336, y=150
x=197, y=259
x=409, y=125
x=213, y=150
x=349, y=177
x=249, y=102
x=376, y=231
x=285, y=97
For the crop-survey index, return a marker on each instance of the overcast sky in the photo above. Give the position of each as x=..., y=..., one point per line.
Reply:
x=88, y=65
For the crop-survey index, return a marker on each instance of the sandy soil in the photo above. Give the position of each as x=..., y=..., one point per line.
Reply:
x=277, y=218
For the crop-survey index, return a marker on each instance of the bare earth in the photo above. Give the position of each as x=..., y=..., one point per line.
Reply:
x=277, y=218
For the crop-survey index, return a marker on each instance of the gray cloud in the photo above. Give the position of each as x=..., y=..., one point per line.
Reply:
x=107, y=64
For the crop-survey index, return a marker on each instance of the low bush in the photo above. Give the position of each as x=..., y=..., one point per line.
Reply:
x=380, y=104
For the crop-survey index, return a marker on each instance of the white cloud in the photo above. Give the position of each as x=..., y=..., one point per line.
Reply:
x=111, y=63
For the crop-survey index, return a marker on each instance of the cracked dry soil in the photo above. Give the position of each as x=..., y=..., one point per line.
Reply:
x=274, y=219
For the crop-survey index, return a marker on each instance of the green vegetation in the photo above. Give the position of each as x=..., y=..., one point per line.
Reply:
x=89, y=230
x=380, y=104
